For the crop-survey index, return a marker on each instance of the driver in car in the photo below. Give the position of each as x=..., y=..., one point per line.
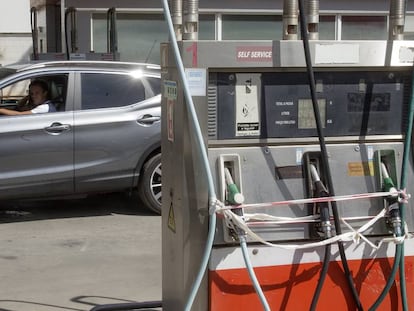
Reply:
x=37, y=101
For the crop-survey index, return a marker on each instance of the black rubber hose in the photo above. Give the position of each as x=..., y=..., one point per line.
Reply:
x=66, y=34
x=128, y=306
x=322, y=277
x=33, y=25
x=405, y=162
x=399, y=252
x=391, y=279
x=321, y=191
x=325, y=163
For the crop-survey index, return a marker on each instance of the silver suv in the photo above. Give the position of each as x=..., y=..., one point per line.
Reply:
x=103, y=137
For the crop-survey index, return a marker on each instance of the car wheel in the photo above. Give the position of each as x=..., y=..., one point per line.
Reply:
x=149, y=187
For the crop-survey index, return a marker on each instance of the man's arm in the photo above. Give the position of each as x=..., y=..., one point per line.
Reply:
x=9, y=112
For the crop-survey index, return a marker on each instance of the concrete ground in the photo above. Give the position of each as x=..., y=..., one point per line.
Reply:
x=76, y=254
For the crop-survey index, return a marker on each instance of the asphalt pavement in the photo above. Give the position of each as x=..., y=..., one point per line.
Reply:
x=77, y=254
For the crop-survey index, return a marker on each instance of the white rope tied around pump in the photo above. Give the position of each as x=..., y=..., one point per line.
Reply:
x=402, y=197
x=235, y=222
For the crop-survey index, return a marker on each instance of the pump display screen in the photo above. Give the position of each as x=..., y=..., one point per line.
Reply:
x=355, y=103
x=306, y=115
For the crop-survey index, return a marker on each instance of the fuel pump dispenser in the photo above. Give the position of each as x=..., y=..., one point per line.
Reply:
x=297, y=227
x=71, y=39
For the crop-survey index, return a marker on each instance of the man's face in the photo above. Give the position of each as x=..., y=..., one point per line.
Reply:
x=37, y=94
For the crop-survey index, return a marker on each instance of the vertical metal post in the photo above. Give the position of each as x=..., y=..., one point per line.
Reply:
x=290, y=20
x=190, y=19
x=312, y=18
x=177, y=18
x=33, y=22
x=397, y=20
x=111, y=34
x=73, y=31
x=71, y=12
x=62, y=25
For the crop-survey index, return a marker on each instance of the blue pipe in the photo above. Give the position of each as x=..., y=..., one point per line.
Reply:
x=203, y=152
x=403, y=183
x=252, y=275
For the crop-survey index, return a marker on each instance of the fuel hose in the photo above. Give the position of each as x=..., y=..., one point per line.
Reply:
x=325, y=163
x=252, y=275
x=322, y=277
x=236, y=198
x=321, y=191
x=128, y=306
x=206, y=166
x=399, y=252
x=204, y=159
x=403, y=184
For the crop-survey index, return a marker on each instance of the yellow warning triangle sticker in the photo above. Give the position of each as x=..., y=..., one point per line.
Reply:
x=171, y=218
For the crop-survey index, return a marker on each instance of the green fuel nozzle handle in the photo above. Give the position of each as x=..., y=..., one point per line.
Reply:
x=393, y=210
x=387, y=180
x=388, y=184
x=233, y=193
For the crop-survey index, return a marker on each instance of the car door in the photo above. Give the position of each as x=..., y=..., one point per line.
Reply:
x=114, y=127
x=36, y=150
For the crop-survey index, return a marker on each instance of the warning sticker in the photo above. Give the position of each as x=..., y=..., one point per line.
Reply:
x=170, y=119
x=170, y=93
x=361, y=169
x=247, y=110
x=171, y=218
x=170, y=89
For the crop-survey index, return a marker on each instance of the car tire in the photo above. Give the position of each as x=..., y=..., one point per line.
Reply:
x=149, y=186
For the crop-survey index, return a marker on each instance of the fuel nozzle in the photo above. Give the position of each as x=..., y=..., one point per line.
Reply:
x=319, y=192
x=234, y=197
x=393, y=208
x=320, y=189
x=233, y=194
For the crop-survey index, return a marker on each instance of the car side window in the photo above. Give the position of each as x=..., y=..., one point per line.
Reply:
x=155, y=85
x=110, y=90
x=13, y=96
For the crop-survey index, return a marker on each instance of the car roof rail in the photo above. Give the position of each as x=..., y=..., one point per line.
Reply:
x=85, y=64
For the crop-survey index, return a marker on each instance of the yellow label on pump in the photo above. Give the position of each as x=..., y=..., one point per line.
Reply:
x=360, y=169
x=171, y=219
